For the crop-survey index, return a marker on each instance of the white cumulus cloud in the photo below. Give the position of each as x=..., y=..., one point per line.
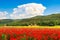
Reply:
x=3, y=15
x=27, y=11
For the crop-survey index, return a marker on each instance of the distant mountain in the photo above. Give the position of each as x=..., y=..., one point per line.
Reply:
x=38, y=20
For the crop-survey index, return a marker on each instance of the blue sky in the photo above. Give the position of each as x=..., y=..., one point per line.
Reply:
x=52, y=6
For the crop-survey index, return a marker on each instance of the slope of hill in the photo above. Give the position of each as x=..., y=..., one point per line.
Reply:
x=53, y=19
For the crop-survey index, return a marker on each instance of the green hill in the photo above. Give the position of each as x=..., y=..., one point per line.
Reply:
x=48, y=20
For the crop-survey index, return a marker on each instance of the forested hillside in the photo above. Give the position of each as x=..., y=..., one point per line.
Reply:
x=48, y=20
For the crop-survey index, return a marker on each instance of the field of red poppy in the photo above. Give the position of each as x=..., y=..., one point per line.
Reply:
x=29, y=33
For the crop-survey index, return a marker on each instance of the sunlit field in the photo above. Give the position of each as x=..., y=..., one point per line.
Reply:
x=37, y=26
x=30, y=26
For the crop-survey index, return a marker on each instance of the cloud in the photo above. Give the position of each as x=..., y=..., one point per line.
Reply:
x=24, y=11
x=3, y=15
x=27, y=11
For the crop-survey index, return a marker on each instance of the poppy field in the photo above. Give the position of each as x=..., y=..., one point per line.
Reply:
x=29, y=33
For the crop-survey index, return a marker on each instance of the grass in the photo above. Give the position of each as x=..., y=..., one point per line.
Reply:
x=30, y=26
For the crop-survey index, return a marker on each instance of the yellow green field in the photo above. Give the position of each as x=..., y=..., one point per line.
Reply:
x=30, y=26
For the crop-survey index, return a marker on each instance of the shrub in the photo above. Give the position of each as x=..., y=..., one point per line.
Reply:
x=51, y=23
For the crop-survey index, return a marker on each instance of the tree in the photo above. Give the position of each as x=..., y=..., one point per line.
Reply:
x=52, y=23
